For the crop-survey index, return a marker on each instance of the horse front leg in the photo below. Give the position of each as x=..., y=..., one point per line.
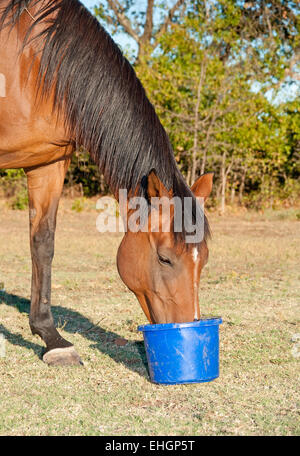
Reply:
x=44, y=189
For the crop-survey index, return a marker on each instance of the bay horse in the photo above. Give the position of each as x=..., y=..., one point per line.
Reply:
x=65, y=84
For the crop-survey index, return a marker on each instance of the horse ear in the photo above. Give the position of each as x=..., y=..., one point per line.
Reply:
x=203, y=186
x=155, y=188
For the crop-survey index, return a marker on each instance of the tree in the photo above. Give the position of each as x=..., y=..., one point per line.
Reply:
x=144, y=26
x=201, y=82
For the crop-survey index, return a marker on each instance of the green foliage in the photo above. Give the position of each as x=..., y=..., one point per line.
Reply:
x=79, y=204
x=20, y=200
x=13, y=186
x=84, y=175
x=201, y=82
x=207, y=70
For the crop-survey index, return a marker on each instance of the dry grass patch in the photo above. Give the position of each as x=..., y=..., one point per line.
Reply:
x=252, y=281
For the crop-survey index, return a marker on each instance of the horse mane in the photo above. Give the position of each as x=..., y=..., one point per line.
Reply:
x=104, y=105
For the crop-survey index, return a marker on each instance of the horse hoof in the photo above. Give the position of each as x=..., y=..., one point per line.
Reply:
x=62, y=357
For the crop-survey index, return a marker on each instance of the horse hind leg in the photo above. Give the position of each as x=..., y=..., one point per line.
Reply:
x=44, y=189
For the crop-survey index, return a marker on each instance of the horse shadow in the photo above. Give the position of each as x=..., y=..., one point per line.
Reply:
x=132, y=355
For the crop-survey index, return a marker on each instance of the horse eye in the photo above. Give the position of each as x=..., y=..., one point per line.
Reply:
x=164, y=260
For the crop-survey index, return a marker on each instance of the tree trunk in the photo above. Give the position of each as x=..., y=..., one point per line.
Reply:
x=203, y=164
x=242, y=186
x=233, y=188
x=196, y=122
x=224, y=177
x=102, y=184
x=223, y=184
x=218, y=191
x=188, y=177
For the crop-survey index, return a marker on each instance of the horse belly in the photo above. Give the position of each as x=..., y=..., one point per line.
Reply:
x=28, y=145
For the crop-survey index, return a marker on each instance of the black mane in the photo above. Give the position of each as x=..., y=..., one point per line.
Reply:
x=105, y=106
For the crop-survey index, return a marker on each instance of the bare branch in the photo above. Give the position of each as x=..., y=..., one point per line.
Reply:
x=207, y=9
x=148, y=29
x=169, y=18
x=123, y=19
x=268, y=22
x=289, y=71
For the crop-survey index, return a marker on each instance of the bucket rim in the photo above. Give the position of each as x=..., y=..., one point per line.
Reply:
x=211, y=321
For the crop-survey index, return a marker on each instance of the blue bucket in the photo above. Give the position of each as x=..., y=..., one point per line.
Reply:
x=183, y=352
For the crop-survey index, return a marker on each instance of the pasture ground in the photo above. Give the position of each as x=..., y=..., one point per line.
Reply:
x=252, y=280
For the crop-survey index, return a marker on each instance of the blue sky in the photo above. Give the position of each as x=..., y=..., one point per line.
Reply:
x=89, y=3
x=122, y=39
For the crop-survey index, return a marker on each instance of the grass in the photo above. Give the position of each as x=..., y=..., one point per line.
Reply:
x=251, y=280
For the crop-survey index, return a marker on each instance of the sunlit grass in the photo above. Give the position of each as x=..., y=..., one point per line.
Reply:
x=252, y=281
